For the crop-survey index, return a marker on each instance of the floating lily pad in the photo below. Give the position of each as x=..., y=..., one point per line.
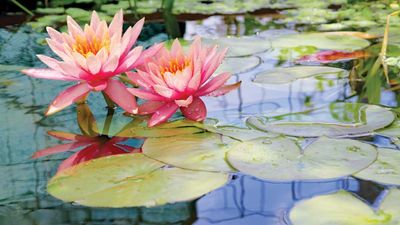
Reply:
x=391, y=131
x=241, y=46
x=386, y=169
x=138, y=128
x=343, y=208
x=281, y=159
x=339, y=119
x=238, y=64
x=131, y=180
x=204, y=151
x=286, y=75
x=238, y=133
x=321, y=41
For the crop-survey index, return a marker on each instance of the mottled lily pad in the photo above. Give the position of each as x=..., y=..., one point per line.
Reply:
x=204, y=151
x=286, y=75
x=321, y=41
x=343, y=208
x=281, y=159
x=386, y=169
x=337, y=119
x=238, y=64
x=131, y=180
x=241, y=46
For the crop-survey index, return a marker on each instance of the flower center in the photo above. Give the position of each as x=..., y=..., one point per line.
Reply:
x=86, y=47
x=174, y=66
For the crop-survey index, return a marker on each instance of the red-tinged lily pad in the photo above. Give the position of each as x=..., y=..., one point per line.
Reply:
x=333, y=56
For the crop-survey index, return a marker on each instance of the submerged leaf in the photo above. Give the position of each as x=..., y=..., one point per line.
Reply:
x=386, y=169
x=238, y=65
x=339, y=119
x=281, y=159
x=345, y=209
x=131, y=180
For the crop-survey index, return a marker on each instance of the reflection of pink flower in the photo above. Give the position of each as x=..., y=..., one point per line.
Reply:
x=94, y=147
x=92, y=56
x=173, y=79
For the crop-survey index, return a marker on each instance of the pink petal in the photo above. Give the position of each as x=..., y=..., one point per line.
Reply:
x=74, y=28
x=130, y=36
x=55, y=35
x=47, y=74
x=95, y=20
x=164, y=91
x=111, y=64
x=163, y=114
x=213, y=65
x=147, y=95
x=194, y=82
x=67, y=97
x=58, y=149
x=195, y=111
x=149, y=107
x=185, y=102
x=140, y=79
x=130, y=60
x=225, y=89
x=148, y=53
x=115, y=27
x=117, y=91
x=129, y=148
x=182, y=79
x=213, y=84
x=93, y=64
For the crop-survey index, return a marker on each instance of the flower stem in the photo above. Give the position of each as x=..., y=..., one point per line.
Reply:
x=110, y=103
x=107, y=123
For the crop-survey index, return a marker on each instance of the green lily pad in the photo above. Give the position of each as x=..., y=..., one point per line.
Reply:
x=285, y=75
x=240, y=46
x=391, y=131
x=238, y=133
x=343, y=208
x=386, y=169
x=281, y=159
x=321, y=41
x=339, y=119
x=131, y=180
x=238, y=64
x=204, y=151
x=138, y=128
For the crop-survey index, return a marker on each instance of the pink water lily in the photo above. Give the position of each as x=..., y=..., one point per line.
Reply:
x=92, y=56
x=173, y=80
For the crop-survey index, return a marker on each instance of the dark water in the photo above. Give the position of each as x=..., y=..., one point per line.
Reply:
x=244, y=200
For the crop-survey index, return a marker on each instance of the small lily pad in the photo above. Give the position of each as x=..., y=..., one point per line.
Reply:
x=286, y=75
x=281, y=159
x=343, y=208
x=386, y=169
x=131, y=180
x=204, y=151
x=241, y=46
x=238, y=64
x=321, y=41
x=338, y=119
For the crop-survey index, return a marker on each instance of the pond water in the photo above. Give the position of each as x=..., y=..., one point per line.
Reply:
x=308, y=96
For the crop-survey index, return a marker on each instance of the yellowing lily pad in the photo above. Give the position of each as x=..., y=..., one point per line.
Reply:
x=343, y=208
x=131, y=180
x=321, y=41
x=386, y=169
x=337, y=119
x=204, y=151
x=281, y=159
x=238, y=64
x=240, y=46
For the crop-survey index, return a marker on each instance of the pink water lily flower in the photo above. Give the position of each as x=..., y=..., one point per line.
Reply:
x=92, y=56
x=173, y=80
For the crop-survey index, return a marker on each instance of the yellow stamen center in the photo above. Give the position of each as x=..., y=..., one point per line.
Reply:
x=86, y=47
x=174, y=66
